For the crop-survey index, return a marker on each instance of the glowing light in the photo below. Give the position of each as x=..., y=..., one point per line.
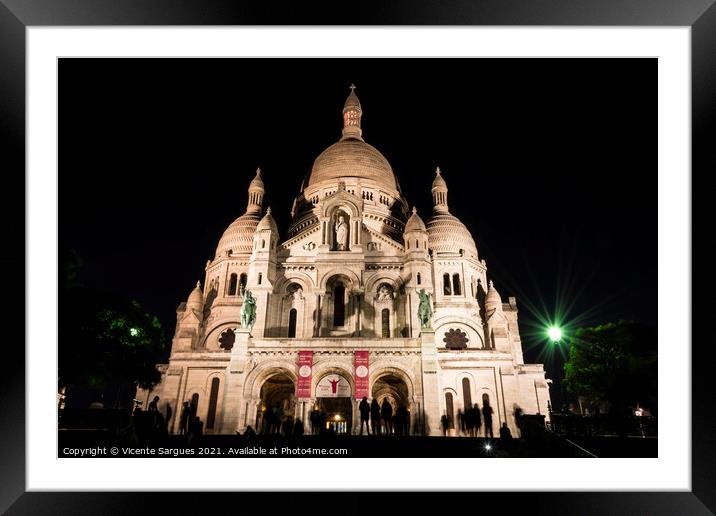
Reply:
x=337, y=417
x=133, y=332
x=554, y=334
x=488, y=447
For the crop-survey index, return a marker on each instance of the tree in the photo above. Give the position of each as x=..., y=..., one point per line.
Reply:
x=103, y=337
x=616, y=363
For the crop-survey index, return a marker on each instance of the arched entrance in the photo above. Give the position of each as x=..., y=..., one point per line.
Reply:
x=392, y=388
x=333, y=397
x=278, y=402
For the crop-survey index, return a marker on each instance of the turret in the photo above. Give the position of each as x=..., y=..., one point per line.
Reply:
x=352, y=114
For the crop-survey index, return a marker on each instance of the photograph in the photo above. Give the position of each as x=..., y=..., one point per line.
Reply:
x=357, y=257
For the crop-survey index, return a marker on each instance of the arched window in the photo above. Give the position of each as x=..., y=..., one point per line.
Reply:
x=417, y=245
x=339, y=306
x=242, y=281
x=263, y=243
x=456, y=284
x=193, y=405
x=261, y=277
x=466, y=396
x=472, y=287
x=492, y=340
x=385, y=322
x=213, y=397
x=449, y=410
x=418, y=278
x=292, y=323
x=446, y=284
x=232, y=285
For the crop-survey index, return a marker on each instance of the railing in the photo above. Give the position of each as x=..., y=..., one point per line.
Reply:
x=602, y=425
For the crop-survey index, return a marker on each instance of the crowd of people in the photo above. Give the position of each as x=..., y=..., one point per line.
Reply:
x=375, y=418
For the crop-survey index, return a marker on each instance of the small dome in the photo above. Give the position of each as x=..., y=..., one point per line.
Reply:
x=415, y=223
x=493, y=301
x=196, y=298
x=352, y=102
x=439, y=183
x=267, y=222
x=351, y=158
x=239, y=236
x=257, y=182
x=446, y=234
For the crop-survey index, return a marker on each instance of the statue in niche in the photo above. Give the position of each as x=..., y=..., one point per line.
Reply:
x=425, y=310
x=296, y=292
x=341, y=233
x=385, y=293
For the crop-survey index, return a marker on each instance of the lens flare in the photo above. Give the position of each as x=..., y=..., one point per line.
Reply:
x=554, y=334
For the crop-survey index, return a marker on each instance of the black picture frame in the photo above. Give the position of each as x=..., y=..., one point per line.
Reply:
x=17, y=15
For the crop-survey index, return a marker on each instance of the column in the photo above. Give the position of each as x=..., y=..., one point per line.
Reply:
x=356, y=303
x=431, y=400
x=235, y=376
x=317, y=316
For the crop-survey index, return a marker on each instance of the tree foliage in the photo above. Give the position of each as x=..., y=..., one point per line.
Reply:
x=615, y=363
x=104, y=337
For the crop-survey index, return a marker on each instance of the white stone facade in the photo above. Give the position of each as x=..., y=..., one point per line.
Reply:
x=345, y=278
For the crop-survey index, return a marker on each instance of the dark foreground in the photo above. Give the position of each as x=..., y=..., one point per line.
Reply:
x=103, y=444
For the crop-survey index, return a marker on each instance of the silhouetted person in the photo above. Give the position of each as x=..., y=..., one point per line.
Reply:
x=461, y=421
x=315, y=426
x=386, y=412
x=278, y=417
x=153, y=404
x=169, y=414
x=375, y=416
x=322, y=421
x=505, y=433
x=249, y=433
x=184, y=418
x=445, y=423
x=287, y=426
x=487, y=417
x=518, y=416
x=298, y=428
x=364, y=408
x=196, y=430
x=400, y=420
x=476, y=419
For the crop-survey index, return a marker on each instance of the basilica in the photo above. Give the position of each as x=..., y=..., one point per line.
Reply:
x=360, y=297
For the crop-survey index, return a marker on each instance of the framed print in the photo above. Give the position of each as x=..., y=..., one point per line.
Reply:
x=303, y=175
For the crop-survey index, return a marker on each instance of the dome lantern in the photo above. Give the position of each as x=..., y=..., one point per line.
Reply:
x=439, y=191
x=445, y=231
x=256, y=193
x=352, y=114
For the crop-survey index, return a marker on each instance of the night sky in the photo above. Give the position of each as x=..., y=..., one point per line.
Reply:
x=551, y=163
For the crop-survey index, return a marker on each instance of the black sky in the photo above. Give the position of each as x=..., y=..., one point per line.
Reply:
x=551, y=163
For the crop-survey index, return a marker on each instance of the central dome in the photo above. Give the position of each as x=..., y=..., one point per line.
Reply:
x=353, y=158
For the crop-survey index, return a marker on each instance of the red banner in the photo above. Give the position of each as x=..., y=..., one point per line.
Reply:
x=361, y=374
x=305, y=372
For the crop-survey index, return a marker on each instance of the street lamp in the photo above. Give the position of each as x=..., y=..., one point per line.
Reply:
x=554, y=333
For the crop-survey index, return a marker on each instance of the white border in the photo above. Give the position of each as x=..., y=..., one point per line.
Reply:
x=670, y=471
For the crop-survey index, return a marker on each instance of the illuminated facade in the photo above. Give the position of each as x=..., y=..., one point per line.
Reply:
x=341, y=283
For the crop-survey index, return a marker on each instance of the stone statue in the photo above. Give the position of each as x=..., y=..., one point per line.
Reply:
x=385, y=293
x=425, y=310
x=341, y=234
x=248, y=309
